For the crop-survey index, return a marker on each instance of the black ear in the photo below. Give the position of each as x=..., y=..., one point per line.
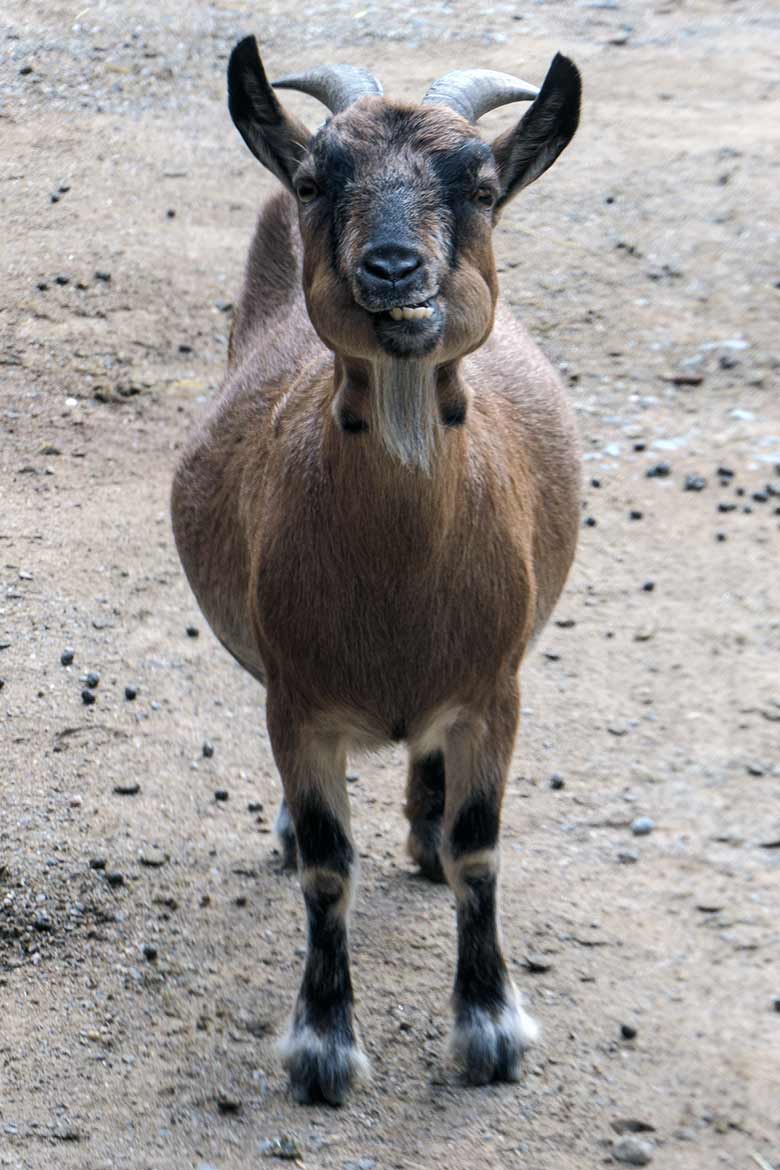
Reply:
x=525, y=152
x=277, y=139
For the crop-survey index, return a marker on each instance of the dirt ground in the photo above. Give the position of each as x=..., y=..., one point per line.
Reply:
x=149, y=945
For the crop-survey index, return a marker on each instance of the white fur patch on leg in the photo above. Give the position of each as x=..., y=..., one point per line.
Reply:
x=489, y=1045
x=322, y=1066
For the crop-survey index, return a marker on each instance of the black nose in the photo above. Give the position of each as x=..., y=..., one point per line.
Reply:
x=391, y=263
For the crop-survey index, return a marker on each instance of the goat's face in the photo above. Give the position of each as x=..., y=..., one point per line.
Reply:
x=397, y=202
x=396, y=211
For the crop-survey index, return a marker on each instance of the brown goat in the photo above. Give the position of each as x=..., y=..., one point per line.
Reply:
x=380, y=510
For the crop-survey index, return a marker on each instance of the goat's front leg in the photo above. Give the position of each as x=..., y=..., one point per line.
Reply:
x=320, y=1051
x=491, y=1030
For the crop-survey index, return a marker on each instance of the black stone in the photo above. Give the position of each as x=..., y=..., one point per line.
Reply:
x=557, y=782
x=628, y=1031
x=207, y=749
x=221, y=795
x=67, y=656
x=87, y=697
x=659, y=471
x=115, y=879
x=193, y=632
x=635, y=515
x=695, y=483
x=648, y=587
x=92, y=679
x=131, y=693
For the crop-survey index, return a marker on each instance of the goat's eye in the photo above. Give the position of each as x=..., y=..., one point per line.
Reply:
x=307, y=190
x=485, y=196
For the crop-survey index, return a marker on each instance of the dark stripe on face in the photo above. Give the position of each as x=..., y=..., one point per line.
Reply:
x=334, y=173
x=457, y=172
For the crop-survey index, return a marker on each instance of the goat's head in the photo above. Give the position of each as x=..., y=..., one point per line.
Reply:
x=397, y=202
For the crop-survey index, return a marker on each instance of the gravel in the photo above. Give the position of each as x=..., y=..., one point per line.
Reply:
x=633, y=1151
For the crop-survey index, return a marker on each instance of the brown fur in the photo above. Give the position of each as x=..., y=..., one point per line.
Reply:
x=378, y=600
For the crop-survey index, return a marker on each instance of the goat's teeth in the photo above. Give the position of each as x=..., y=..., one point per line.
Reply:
x=410, y=313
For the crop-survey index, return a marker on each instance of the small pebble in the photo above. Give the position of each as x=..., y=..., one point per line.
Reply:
x=67, y=656
x=127, y=788
x=596, y=483
x=92, y=679
x=557, y=782
x=633, y=1151
x=628, y=1031
x=724, y=507
x=207, y=749
x=104, y=276
x=537, y=964
x=283, y=1147
x=184, y=348
x=62, y=280
x=170, y=213
x=635, y=515
x=642, y=826
x=776, y=1003
x=720, y=537
x=152, y=857
x=255, y=806
x=222, y=795
x=352, y=777
x=97, y=863
x=75, y=801
x=648, y=587
x=192, y=631
x=694, y=483
x=659, y=471
x=228, y=1103
x=42, y=922
x=590, y=521
x=131, y=693
x=25, y=70
x=115, y=878
x=87, y=697
x=149, y=952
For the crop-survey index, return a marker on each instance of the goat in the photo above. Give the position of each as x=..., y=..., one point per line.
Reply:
x=379, y=512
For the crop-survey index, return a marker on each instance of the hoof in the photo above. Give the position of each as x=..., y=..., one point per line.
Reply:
x=423, y=847
x=489, y=1045
x=322, y=1067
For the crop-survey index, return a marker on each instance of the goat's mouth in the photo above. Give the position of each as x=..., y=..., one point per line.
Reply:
x=409, y=330
x=421, y=311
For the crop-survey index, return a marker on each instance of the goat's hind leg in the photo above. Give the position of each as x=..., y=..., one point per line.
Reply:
x=424, y=810
x=321, y=1050
x=491, y=1030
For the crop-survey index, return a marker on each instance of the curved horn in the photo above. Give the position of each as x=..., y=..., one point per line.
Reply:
x=336, y=86
x=472, y=92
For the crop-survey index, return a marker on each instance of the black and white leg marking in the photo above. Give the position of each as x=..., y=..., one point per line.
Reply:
x=491, y=1031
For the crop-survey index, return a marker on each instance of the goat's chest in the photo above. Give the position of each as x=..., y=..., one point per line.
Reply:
x=391, y=602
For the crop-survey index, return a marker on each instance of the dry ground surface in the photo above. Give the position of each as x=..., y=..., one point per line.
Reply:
x=646, y=262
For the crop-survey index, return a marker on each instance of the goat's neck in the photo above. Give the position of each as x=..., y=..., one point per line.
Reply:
x=403, y=404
